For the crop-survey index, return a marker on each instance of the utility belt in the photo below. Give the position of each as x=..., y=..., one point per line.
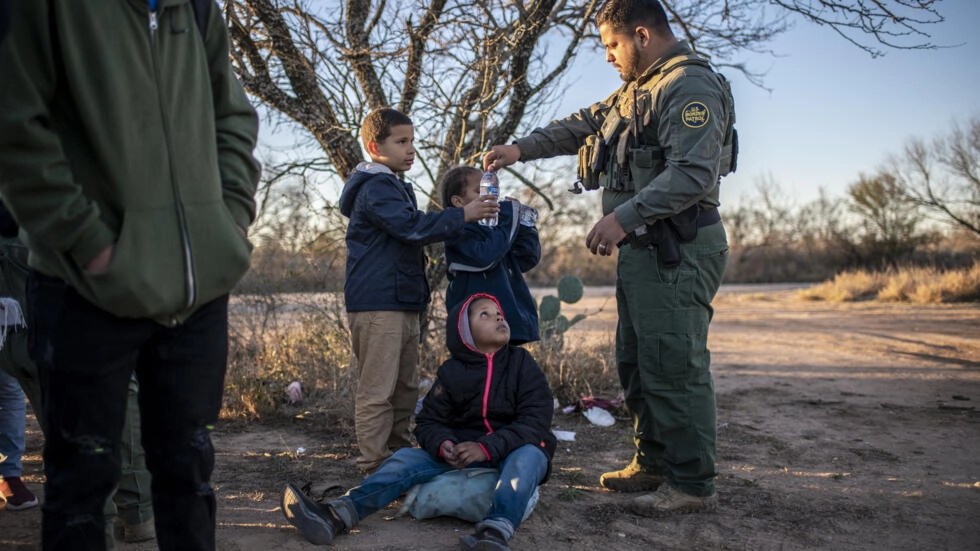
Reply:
x=667, y=234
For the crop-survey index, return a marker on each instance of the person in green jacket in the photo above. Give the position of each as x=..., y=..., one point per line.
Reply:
x=657, y=148
x=126, y=157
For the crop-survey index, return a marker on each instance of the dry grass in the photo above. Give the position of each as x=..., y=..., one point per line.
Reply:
x=916, y=285
x=274, y=343
x=277, y=339
x=582, y=367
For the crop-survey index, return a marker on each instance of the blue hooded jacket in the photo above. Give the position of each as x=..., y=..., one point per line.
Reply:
x=493, y=260
x=385, y=236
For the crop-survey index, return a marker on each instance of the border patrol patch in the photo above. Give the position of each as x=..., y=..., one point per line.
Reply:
x=695, y=115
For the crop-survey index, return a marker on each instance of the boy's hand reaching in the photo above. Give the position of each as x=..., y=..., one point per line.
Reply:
x=465, y=454
x=478, y=210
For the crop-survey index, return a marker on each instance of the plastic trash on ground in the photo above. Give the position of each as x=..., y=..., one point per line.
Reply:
x=294, y=392
x=564, y=435
x=599, y=416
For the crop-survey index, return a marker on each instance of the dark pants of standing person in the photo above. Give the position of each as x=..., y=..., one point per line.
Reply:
x=85, y=358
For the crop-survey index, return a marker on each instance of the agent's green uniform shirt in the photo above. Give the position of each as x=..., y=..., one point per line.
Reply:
x=659, y=162
x=682, y=119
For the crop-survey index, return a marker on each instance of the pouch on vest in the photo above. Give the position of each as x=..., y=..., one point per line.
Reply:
x=607, y=164
x=645, y=164
x=729, y=149
x=466, y=494
x=588, y=154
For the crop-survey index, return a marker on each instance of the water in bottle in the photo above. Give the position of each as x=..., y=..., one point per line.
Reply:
x=489, y=191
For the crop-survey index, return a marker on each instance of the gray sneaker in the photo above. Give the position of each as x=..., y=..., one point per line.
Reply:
x=487, y=539
x=632, y=478
x=319, y=524
x=668, y=500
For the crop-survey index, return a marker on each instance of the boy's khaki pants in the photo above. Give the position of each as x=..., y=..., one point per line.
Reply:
x=385, y=360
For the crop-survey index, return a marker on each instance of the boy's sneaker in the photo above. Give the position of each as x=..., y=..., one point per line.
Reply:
x=17, y=495
x=669, y=500
x=632, y=478
x=319, y=524
x=487, y=539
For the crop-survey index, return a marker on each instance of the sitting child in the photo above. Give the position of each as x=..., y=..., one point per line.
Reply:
x=492, y=259
x=490, y=406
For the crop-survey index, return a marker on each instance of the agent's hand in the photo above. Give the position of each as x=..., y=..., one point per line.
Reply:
x=605, y=235
x=100, y=263
x=468, y=453
x=479, y=209
x=500, y=156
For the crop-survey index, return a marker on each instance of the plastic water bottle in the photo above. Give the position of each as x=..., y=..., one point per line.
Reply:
x=489, y=191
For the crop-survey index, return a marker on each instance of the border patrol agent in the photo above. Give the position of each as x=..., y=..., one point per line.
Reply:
x=657, y=148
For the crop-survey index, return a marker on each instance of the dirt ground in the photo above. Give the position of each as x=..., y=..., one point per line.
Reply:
x=840, y=427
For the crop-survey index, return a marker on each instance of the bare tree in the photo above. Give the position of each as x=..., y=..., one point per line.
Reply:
x=944, y=177
x=475, y=72
x=889, y=220
x=872, y=26
x=468, y=72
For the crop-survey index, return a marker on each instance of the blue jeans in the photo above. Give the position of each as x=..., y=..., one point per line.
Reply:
x=520, y=473
x=12, y=411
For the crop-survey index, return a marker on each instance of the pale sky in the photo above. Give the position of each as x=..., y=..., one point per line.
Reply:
x=833, y=112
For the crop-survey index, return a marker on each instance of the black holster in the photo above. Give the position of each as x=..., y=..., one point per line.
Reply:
x=668, y=234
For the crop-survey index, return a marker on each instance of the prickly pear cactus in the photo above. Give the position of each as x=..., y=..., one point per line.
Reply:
x=553, y=323
x=570, y=289
x=549, y=309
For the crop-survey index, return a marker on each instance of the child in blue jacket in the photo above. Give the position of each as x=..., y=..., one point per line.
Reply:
x=492, y=259
x=385, y=288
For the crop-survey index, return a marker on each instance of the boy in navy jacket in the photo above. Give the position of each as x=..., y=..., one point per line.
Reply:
x=385, y=287
x=490, y=406
x=492, y=259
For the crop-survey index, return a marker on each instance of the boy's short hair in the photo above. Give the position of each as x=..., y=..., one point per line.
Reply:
x=377, y=124
x=621, y=15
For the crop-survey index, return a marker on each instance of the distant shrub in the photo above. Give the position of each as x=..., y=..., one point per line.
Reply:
x=911, y=284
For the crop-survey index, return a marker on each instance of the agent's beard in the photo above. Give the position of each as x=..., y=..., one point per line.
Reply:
x=631, y=71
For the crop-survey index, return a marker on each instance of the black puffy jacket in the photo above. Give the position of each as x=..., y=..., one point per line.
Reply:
x=501, y=401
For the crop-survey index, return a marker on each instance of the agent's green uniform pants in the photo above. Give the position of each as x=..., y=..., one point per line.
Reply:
x=663, y=359
x=132, y=501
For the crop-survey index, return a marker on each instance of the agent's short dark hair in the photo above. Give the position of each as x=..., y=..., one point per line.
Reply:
x=624, y=15
x=377, y=124
x=454, y=182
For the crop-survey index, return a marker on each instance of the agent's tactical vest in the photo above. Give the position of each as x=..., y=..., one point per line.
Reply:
x=625, y=150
